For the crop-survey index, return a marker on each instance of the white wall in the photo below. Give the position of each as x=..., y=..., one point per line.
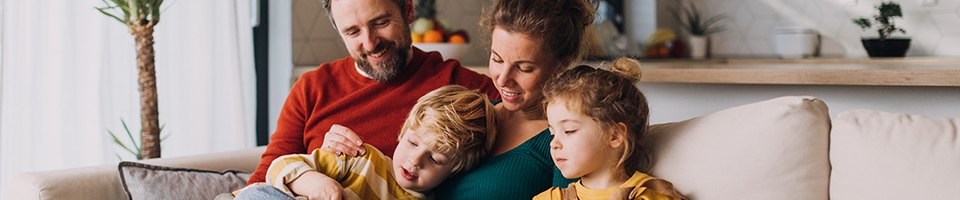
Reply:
x=670, y=102
x=750, y=25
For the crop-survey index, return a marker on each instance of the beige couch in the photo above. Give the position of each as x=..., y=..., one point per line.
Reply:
x=784, y=148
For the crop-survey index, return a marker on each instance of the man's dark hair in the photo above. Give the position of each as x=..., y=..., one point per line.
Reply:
x=400, y=4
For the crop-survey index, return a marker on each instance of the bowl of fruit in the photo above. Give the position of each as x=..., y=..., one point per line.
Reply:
x=437, y=35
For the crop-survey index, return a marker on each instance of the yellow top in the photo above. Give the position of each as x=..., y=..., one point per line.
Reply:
x=585, y=193
x=369, y=176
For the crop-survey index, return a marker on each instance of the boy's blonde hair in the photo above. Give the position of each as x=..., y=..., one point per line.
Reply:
x=608, y=97
x=463, y=121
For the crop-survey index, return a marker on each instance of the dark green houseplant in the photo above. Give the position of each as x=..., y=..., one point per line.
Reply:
x=884, y=45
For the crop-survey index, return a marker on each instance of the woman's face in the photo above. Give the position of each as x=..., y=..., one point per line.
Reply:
x=518, y=68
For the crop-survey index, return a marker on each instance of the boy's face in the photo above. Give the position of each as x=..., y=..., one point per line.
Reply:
x=579, y=148
x=417, y=166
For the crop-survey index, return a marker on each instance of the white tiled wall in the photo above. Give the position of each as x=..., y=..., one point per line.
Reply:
x=315, y=41
x=935, y=30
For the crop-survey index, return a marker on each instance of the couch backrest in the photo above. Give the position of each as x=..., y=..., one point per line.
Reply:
x=882, y=155
x=774, y=149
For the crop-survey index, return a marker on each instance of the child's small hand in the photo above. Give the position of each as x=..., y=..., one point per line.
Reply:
x=317, y=186
x=341, y=139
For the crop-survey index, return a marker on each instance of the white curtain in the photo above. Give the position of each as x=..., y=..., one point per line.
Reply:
x=68, y=74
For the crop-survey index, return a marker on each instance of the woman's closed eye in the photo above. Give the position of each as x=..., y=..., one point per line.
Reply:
x=496, y=59
x=524, y=70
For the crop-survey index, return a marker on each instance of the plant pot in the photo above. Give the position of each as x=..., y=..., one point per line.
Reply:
x=889, y=47
x=698, y=46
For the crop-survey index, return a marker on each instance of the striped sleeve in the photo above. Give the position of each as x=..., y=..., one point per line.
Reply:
x=285, y=169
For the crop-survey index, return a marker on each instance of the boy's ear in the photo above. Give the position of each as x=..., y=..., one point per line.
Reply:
x=619, y=132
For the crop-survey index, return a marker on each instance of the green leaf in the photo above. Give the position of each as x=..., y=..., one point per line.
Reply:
x=134, y=6
x=161, y=131
x=129, y=134
x=118, y=157
x=111, y=15
x=115, y=140
x=709, y=22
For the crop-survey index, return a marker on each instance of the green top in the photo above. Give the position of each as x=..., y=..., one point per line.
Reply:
x=521, y=173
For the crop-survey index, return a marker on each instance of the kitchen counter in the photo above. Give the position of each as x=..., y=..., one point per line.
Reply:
x=911, y=71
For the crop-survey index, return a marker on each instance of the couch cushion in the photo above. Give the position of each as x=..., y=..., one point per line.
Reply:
x=143, y=181
x=882, y=155
x=774, y=149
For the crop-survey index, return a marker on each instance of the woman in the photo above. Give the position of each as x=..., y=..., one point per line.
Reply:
x=532, y=41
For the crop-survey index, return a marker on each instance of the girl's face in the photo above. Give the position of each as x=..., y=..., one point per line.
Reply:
x=518, y=68
x=416, y=165
x=579, y=147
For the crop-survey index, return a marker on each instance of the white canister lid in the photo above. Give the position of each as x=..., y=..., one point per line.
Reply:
x=794, y=31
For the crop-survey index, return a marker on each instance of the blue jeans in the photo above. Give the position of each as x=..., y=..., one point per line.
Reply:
x=262, y=192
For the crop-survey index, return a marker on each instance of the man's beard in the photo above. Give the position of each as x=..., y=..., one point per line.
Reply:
x=389, y=68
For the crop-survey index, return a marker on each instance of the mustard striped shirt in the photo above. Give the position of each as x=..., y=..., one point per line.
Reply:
x=369, y=176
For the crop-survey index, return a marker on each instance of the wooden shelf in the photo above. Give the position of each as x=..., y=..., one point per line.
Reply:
x=819, y=71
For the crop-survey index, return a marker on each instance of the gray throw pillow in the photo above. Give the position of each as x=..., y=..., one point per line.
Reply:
x=143, y=181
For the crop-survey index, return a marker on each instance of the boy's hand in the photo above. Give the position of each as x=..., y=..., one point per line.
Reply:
x=341, y=139
x=317, y=186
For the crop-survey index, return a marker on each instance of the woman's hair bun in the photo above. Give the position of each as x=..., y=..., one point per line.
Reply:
x=628, y=68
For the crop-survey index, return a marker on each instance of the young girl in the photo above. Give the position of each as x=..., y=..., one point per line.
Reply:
x=597, y=119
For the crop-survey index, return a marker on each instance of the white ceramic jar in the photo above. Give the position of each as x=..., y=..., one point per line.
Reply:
x=796, y=42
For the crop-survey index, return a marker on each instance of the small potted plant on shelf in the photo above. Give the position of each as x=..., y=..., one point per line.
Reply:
x=698, y=26
x=884, y=45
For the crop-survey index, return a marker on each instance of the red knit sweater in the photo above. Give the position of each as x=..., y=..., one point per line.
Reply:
x=335, y=93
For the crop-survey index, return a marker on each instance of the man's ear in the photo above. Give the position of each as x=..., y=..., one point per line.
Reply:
x=618, y=134
x=410, y=14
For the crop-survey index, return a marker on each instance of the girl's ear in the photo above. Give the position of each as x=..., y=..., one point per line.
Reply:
x=618, y=134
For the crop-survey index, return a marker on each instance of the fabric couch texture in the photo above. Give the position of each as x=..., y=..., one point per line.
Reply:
x=882, y=155
x=103, y=182
x=774, y=149
x=783, y=148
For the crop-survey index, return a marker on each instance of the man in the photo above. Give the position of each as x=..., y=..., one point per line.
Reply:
x=372, y=90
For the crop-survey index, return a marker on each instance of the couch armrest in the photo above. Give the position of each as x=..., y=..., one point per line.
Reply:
x=103, y=181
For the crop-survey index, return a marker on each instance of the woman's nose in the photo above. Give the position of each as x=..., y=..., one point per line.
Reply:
x=504, y=77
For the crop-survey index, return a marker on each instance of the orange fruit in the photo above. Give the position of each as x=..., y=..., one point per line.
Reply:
x=416, y=38
x=457, y=39
x=432, y=36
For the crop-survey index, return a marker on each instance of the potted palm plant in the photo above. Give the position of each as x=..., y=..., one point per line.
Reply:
x=140, y=16
x=698, y=26
x=884, y=45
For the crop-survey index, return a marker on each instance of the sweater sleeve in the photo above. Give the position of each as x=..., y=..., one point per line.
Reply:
x=288, y=138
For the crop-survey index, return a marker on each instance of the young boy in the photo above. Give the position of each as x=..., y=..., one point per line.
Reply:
x=448, y=131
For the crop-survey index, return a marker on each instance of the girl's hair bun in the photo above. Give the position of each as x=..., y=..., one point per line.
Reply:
x=627, y=68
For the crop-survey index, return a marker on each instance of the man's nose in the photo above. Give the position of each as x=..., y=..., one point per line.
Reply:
x=370, y=41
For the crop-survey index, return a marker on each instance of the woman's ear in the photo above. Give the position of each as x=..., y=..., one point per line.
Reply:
x=618, y=134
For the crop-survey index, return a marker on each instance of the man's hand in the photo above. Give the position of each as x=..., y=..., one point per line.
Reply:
x=317, y=186
x=341, y=139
